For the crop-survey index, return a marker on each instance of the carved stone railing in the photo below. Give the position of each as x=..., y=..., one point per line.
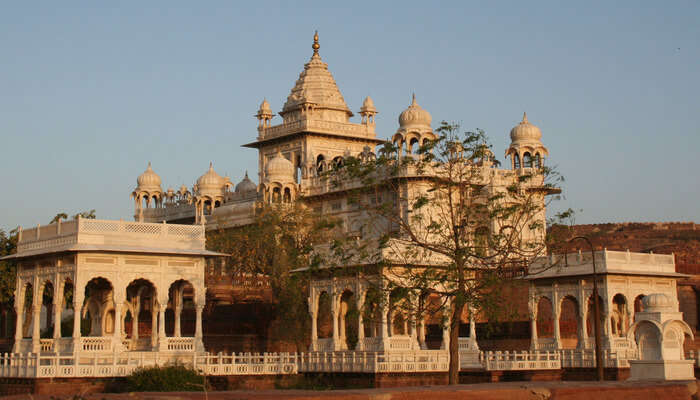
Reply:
x=46, y=345
x=373, y=362
x=108, y=232
x=402, y=342
x=96, y=343
x=180, y=344
x=247, y=364
x=324, y=344
x=523, y=360
x=320, y=126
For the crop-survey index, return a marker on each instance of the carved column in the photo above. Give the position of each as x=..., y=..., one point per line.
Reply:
x=533, y=323
x=117, y=325
x=556, y=314
x=36, y=328
x=162, y=341
x=582, y=321
x=77, y=317
x=334, y=317
x=57, y=310
x=198, y=331
x=360, y=321
x=19, y=322
x=177, y=312
x=313, y=310
x=472, y=329
x=135, y=320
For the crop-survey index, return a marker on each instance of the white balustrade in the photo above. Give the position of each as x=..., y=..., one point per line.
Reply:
x=96, y=343
x=180, y=344
x=46, y=345
x=521, y=360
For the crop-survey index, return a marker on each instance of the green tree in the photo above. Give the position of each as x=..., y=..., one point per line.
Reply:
x=444, y=222
x=280, y=239
x=84, y=214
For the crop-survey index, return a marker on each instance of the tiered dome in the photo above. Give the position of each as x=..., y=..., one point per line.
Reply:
x=415, y=116
x=279, y=169
x=246, y=185
x=210, y=183
x=525, y=132
x=148, y=181
x=316, y=86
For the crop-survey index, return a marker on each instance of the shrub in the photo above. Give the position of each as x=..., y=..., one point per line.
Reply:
x=174, y=378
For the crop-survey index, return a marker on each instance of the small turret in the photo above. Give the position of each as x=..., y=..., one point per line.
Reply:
x=368, y=111
x=526, y=149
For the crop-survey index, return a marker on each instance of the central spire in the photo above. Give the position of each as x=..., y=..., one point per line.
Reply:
x=316, y=46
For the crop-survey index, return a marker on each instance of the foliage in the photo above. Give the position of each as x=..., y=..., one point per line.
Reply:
x=174, y=378
x=280, y=240
x=442, y=222
x=8, y=269
x=84, y=214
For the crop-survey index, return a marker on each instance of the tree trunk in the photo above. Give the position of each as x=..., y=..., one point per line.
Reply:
x=454, y=344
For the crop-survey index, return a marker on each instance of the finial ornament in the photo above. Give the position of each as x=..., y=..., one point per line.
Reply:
x=524, y=118
x=316, y=46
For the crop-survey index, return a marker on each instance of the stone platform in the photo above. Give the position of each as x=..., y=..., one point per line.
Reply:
x=491, y=391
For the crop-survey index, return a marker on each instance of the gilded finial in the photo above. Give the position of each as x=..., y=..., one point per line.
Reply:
x=413, y=101
x=524, y=118
x=316, y=46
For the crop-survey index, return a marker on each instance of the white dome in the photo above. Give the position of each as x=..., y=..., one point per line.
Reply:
x=415, y=115
x=658, y=302
x=246, y=185
x=525, y=132
x=368, y=105
x=264, y=109
x=279, y=169
x=148, y=181
x=210, y=183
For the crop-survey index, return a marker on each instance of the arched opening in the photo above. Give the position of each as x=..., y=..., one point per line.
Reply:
x=206, y=207
x=297, y=169
x=287, y=197
x=180, y=316
x=619, y=316
x=348, y=319
x=527, y=160
x=320, y=164
x=276, y=195
x=142, y=313
x=145, y=201
x=649, y=341
x=545, y=318
x=67, y=311
x=338, y=162
x=372, y=313
x=413, y=146
x=217, y=204
x=324, y=322
x=538, y=160
x=47, y=312
x=638, y=305
x=569, y=323
x=590, y=313
x=99, y=300
x=433, y=321
x=516, y=161
x=399, y=312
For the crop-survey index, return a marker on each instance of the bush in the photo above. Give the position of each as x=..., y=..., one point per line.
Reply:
x=174, y=378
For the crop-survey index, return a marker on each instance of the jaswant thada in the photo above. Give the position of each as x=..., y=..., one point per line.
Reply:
x=114, y=274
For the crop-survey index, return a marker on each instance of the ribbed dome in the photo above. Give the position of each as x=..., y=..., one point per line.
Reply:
x=246, y=185
x=279, y=169
x=368, y=105
x=414, y=115
x=658, y=302
x=525, y=132
x=148, y=181
x=210, y=183
x=264, y=109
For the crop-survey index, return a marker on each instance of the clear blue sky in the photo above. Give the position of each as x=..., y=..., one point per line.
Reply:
x=89, y=92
